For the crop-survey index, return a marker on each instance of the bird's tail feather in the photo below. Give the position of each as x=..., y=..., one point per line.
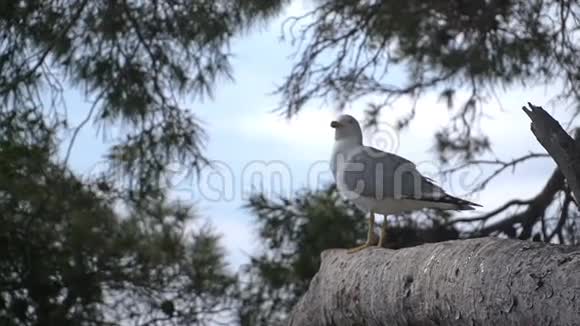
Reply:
x=450, y=202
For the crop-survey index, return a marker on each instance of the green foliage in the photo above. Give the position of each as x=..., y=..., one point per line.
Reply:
x=92, y=251
x=295, y=232
x=135, y=59
x=349, y=49
x=72, y=254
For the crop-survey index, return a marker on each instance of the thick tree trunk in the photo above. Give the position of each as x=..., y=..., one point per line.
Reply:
x=485, y=281
x=561, y=147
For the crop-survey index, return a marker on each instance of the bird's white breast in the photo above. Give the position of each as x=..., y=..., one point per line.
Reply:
x=341, y=153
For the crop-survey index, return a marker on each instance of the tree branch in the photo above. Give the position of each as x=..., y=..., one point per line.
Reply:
x=536, y=209
x=485, y=281
x=563, y=148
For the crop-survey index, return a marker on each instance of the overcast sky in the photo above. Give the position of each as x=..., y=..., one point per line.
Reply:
x=245, y=136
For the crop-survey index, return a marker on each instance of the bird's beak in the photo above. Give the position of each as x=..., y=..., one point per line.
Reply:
x=335, y=124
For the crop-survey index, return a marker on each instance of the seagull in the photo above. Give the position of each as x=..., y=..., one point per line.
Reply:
x=382, y=182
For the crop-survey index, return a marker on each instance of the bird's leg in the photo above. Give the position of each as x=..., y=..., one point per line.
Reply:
x=371, y=237
x=383, y=233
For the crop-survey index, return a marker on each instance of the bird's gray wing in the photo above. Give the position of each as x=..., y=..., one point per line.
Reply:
x=370, y=172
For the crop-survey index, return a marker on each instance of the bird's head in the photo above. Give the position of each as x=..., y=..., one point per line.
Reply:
x=346, y=127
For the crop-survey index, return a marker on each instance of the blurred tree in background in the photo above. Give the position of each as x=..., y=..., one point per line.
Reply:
x=74, y=254
x=348, y=48
x=135, y=60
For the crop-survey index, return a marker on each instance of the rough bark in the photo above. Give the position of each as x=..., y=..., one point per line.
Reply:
x=485, y=281
x=561, y=146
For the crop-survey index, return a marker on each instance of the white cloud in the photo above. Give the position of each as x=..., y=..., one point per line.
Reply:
x=309, y=130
